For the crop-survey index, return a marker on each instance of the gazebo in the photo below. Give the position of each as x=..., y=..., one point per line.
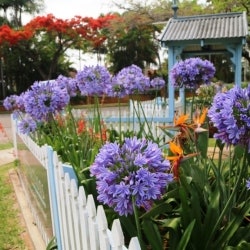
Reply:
x=204, y=35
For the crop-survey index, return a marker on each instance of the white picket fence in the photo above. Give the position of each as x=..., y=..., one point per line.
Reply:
x=77, y=223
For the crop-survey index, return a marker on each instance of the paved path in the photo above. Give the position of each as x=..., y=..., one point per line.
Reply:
x=6, y=137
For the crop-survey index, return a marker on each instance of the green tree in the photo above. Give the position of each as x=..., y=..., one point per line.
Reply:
x=131, y=41
x=14, y=9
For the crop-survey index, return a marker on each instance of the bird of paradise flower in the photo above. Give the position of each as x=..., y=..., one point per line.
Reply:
x=177, y=158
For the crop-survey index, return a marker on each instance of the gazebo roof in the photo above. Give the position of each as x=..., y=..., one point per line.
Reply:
x=214, y=26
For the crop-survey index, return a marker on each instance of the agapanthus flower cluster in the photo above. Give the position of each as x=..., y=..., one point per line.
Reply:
x=12, y=102
x=130, y=80
x=45, y=99
x=136, y=169
x=157, y=83
x=230, y=114
x=69, y=83
x=192, y=72
x=27, y=125
x=93, y=80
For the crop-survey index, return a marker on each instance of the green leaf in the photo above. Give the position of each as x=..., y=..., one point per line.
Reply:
x=212, y=214
x=152, y=234
x=129, y=225
x=232, y=227
x=186, y=236
x=202, y=143
x=158, y=209
x=52, y=245
x=172, y=226
x=238, y=152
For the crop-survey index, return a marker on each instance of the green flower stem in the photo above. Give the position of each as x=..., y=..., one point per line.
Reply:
x=97, y=111
x=137, y=221
x=141, y=123
x=120, y=121
x=72, y=117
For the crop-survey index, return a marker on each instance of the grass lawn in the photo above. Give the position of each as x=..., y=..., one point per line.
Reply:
x=211, y=142
x=10, y=226
x=6, y=146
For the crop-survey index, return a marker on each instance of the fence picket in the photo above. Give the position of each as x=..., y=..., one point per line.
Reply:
x=93, y=227
x=61, y=200
x=83, y=219
x=102, y=228
x=134, y=244
x=69, y=216
x=75, y=213
x=117, y=235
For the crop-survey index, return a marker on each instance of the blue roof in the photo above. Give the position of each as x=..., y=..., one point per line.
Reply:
x=213, y=26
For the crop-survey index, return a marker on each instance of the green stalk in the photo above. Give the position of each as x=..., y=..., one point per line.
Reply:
x=137, y=221
x=97, y=110
x=120, y=120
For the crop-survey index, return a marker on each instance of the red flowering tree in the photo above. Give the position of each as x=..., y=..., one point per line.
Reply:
x=43, y=41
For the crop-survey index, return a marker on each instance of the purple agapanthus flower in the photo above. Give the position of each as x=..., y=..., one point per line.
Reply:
x=27, y=125
x=230, y=114
x=157, y=83
x=92, y=80
x=11, y=102
x=248, y=184
x=69, y=83
x=45, y=99
x=130, y=80
x=135, y=168
x=192, y=72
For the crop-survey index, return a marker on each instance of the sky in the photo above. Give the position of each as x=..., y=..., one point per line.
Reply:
x=69, y=8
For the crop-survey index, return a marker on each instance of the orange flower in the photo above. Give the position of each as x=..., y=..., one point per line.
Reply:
x=81, y=126
x=181, y=120
x=177, y=157
x=199, y=120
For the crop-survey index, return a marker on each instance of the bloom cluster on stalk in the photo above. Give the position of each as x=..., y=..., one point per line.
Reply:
x=134, y=170
x=93, y=80
x=191, y=73
x=45, y=99
x=128, y=81
x=230, y=114
x=131, y=80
